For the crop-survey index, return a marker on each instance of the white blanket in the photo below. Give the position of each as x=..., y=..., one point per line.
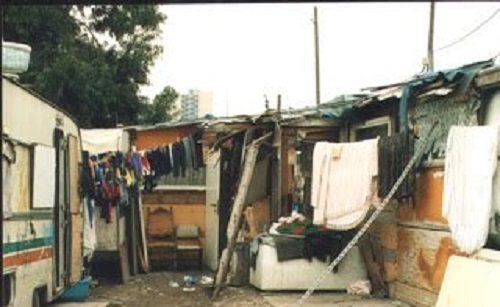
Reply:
x=344, y=182
x=471, y=157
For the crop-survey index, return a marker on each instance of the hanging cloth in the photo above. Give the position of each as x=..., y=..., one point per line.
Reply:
x=471, y=158
x=176, y=158
x=188, y=152
x=344, y=183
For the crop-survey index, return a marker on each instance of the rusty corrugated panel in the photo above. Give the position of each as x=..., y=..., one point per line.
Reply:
x=428, y=196
x=422, y=257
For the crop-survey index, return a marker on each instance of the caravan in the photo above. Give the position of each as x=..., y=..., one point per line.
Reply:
x=41, y=217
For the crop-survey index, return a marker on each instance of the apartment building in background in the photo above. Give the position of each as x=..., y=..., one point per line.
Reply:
x=195, y=104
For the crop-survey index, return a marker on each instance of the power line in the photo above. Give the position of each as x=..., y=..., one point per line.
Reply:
x=496, y=56
x=470, y=33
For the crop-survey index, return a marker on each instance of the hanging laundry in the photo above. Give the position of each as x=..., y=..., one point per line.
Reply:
x=170, y=151
x=89, y=233
x=162, y=155
x=182, y=160
x=188, y=152
x=111, y=179
x=197, y=139
x=470, y=162
x=192, y=144
x=394, y=153
x=326, y=245
x=176, y=158
x=153, y=162
x=344, y=184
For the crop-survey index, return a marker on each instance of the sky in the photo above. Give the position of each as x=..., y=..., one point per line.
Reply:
x=243, y=52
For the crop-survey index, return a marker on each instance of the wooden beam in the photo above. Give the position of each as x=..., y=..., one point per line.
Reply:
x=144, y=259
x=237, y=211
x=221, y=140
x=276, y=206
x=488, y=77
x=133, y=237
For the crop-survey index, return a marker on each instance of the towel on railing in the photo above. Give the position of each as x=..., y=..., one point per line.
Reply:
x=344, y=184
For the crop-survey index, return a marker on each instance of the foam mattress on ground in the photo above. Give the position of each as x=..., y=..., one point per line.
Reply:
x=470, y=282
x=300, y=274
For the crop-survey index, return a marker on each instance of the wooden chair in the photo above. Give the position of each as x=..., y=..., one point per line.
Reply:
x=160, y=234
x=188, y=244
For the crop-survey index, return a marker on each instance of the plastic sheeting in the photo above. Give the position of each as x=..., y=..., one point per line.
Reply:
x=97, y=141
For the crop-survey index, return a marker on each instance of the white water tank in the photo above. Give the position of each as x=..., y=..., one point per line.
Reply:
x=15, y=57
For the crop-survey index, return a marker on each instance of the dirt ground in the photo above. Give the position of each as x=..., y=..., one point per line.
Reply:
x=155, y=289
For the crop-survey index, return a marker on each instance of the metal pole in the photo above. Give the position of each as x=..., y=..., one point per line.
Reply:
x=430, y=43
x=316, y=52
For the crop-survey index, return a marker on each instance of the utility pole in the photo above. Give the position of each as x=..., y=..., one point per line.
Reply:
x=316, y=52
x=430, y=43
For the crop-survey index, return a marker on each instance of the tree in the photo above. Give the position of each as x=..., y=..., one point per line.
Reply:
x=162, y=109
x=90, y=60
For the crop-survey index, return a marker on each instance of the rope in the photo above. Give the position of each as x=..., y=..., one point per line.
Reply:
x=470, y=33
x=372, y=218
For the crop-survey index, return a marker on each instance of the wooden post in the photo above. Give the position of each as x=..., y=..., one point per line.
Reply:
x=277, y=177
x=430, y=42
x=133, y=239
x=276, y=208
x=237, y=211
x=143, y=234
x=316, y=54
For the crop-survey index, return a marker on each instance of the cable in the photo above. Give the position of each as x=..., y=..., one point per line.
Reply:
x=470, y=33
x=495, y=57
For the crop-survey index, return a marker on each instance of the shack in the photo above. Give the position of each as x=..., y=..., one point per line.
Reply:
x=174, y=195
x=414, y=233
x=407, y=248
x=249, y=179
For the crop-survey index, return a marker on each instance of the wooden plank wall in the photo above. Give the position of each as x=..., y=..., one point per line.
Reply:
x=76, y=226
x=76, y=262
x=74, y=196
x=385, y=228
x=149, y=139
x=188, y=206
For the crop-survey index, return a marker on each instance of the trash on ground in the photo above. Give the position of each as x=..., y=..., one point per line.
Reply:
x=188, y=289
x=205, y=280
x=360, y=287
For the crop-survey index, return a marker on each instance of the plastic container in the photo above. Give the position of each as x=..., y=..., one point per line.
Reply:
x=15, y=57
x=78, y=292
